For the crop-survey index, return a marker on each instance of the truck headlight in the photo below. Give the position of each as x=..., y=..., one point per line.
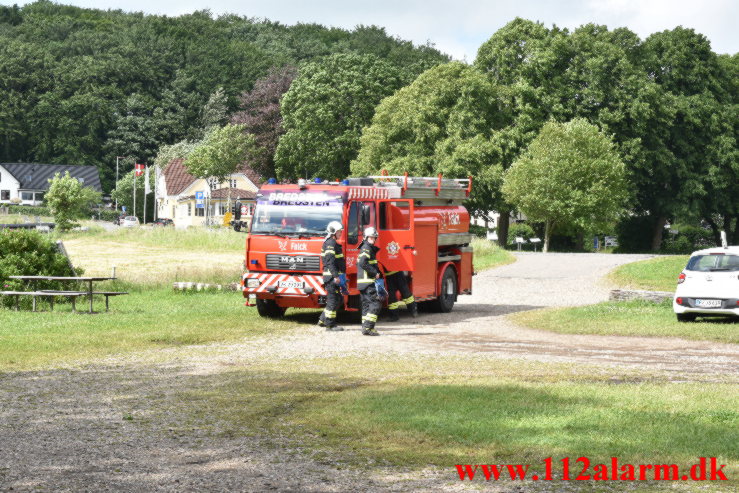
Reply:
x=252, y=283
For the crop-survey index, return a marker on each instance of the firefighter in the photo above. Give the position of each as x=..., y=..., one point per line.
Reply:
x=333, y=267
x=396, y=281
x=367, y=273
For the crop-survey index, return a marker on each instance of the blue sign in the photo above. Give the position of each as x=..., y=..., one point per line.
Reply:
x=199, y=200
x=123, y=207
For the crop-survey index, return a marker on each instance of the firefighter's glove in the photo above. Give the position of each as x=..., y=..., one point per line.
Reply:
x=380, y=287
x=342, y=285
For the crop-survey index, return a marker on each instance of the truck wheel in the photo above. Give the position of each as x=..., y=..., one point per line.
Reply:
x=237, y=227
x=686, y=317
x=445, y=302
x=269, y=309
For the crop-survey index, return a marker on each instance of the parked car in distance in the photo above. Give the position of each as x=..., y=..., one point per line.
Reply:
x=163, y=222
x=130, y=221
x=118, y=220
x=709, y=285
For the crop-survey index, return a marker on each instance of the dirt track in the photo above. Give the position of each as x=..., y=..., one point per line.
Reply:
x=66, y=430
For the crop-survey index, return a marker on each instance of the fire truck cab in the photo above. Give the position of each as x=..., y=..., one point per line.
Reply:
x=423, y=227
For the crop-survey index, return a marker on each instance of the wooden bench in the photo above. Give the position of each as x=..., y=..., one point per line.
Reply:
x=73, y=295
x=107, y=294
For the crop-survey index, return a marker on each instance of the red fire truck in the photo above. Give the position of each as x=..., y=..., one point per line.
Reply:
x=423, y=227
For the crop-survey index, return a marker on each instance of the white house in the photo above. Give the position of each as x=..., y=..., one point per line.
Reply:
x=26, y=183
x=177, y=189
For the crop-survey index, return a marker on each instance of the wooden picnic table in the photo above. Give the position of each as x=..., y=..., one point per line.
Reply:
x=89, y=280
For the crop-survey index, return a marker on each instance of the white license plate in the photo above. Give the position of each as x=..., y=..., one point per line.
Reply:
x=708, y=303
x=291, y=284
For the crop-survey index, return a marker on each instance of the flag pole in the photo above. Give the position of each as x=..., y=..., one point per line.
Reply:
x=146, y=183
x=135, y=171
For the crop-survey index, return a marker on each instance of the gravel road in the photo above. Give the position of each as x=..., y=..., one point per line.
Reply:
x=69, y=429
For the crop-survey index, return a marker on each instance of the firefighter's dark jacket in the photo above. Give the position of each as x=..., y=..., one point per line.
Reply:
x=367, y=263
x=333, y=259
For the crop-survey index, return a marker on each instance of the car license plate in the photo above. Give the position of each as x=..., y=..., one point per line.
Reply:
x=708, y=303
x=291, y=284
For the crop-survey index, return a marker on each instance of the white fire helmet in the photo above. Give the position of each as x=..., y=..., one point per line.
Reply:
x=370, y=232
x=333, y=228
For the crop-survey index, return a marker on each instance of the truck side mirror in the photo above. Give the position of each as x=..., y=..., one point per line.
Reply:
x=365, y=215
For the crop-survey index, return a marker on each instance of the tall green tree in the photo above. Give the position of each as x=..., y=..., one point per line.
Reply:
x=569, y=176
x=219, y=154
x=324, y=112
x=69, y=200
x=447, y=121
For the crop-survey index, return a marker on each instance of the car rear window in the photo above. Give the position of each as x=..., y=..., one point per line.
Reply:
x=130, y=218
x=713, y=263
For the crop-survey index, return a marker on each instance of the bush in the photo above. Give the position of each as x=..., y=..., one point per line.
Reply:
x=479, y=231
x=634, y=234
x=520, y=229
x=30, y=253
x=29, y=210
x=106, y=214
x=687, y=240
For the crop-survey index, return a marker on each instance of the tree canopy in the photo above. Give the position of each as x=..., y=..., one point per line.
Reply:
x=569, y=176
x=82, y=86
x=325, y=109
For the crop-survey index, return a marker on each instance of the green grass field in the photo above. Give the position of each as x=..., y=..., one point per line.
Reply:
x=634, y=318
x=469, y=410
x=488, y=255
x=657, y=274
x=144, y=319
x=628, y=318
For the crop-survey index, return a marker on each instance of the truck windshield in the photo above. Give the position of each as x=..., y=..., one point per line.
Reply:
x=293, y=213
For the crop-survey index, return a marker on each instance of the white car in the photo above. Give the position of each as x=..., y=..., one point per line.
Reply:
x=709, y=285
x=130, y=221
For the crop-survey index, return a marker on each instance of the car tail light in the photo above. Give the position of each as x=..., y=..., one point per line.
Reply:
x=679, y=301
x=681, y=278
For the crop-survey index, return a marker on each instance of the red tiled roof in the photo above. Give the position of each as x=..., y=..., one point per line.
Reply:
x=176, y=177
x=236, y=193
x=252, y=175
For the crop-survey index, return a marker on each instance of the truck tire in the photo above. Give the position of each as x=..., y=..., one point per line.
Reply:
x=448, y=295
x=269, y=309
x=237, y=227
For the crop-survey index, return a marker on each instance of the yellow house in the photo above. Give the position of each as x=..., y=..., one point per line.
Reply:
x=177, y=192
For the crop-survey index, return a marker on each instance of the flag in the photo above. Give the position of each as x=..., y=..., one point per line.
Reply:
x=139, y=169
x=147, y=188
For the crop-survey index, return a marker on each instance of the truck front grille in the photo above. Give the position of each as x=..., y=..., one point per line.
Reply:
x=303, y=263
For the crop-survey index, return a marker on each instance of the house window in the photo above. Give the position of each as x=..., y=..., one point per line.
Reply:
x=81, y=180
x=189, y=209
x=232, y=183
x=200, y=212
x=174, y=210
x=4, y=194
x=27, y=196
x=40, y=196
x=212, y=183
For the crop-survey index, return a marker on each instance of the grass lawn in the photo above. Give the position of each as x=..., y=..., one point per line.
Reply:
x=144, y=319
x=488, y=255
x=628, y=318
x=159, y=256
x=634, y=318
x=657, y=274
x=469, y=410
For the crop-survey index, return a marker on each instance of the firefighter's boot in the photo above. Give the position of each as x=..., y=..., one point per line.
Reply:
x=414, y=309
x=393, y=315
x=370, y=332
x=334, y=328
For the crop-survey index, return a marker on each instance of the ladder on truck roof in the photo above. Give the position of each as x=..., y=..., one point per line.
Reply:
x=421, y=187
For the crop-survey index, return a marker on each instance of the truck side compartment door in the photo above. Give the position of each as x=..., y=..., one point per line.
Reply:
x=397, y=238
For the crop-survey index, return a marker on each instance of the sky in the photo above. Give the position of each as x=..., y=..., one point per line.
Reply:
x=459, y=27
